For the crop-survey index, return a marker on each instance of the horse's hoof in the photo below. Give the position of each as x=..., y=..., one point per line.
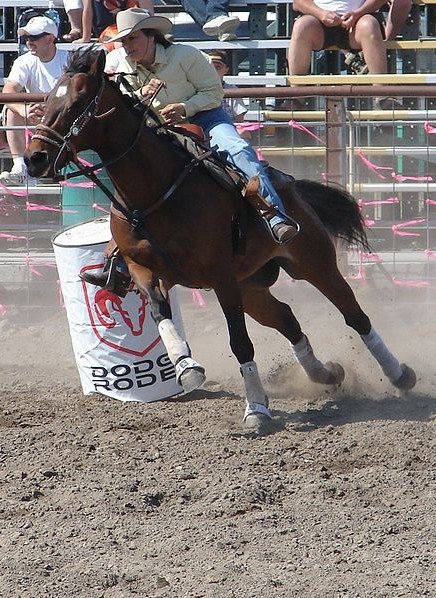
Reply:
x=258, y=423
x=192, y=379
x=407, y=380
x=337, y=372
x=257, y=417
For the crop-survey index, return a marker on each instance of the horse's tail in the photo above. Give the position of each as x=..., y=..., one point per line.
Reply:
x=337, y=209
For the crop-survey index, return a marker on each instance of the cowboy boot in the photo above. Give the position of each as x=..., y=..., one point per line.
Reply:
x=114, y=277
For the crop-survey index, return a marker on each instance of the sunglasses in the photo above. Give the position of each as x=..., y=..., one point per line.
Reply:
x=33, y=38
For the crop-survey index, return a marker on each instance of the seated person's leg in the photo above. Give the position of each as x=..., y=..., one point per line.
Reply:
x=16, y=141
x=307, y=36
x=368, y=37
x=397, y=17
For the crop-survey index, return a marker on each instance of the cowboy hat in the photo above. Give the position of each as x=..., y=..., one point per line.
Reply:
x=134, y=19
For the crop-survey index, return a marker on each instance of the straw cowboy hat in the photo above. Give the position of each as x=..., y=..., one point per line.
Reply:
x=134, y=19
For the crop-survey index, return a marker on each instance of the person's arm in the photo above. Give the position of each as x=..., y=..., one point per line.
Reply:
x=349, y=19
x=30, y=112
x=87, y=18
x=202, y=75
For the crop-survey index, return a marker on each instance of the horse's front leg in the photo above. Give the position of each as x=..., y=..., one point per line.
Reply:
x=189, y=374
x=256, y=409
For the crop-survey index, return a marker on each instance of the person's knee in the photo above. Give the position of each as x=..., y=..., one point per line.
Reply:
x=367, y=27
x=308, y=29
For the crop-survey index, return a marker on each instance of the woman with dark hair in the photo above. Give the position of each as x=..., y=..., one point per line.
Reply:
x=192, y=90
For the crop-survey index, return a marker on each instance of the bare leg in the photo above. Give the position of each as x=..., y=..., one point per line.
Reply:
x=368, y=37
x=397, y=17
x=307, y=35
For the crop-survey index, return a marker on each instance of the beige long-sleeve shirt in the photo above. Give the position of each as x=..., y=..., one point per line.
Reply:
x=189, y=76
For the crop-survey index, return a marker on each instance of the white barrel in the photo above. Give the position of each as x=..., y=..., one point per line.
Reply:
x=116, y=343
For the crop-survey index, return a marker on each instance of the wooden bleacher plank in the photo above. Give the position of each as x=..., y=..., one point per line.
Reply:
x=383, y=79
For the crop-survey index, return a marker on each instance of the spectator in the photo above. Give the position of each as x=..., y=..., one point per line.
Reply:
x=398, y=11
x=100, y=14
x=74, y=10
x=234, y=107
x=213, y=17
x=348, y=24
x=36, y=71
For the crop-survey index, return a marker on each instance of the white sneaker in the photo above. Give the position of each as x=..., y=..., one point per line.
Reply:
x=220, y=25
x=18, y=177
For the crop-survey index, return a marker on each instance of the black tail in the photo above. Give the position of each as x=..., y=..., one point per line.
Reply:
x=337, y=210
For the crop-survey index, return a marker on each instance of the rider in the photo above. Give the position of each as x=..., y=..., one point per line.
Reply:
x=192, y=92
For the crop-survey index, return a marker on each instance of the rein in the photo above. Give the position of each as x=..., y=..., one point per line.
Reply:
x=63, y=143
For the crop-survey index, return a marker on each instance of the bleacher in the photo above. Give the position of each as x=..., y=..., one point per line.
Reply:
x=378, y=155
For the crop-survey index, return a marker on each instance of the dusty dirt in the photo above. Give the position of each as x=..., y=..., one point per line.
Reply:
x=177, y=499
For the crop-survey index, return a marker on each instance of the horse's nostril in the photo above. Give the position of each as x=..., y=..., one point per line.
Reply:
x=36, y=162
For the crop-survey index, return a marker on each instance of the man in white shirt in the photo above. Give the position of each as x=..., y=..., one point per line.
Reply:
x=36, y=71
x=348, y=24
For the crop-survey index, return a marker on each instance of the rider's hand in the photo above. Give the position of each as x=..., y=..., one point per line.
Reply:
x=148, y=91
x=173, y=113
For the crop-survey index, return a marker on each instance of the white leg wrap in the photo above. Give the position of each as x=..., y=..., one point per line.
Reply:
x=257, y=400
x=388, y=363
x=305, y=356
x=176, y=347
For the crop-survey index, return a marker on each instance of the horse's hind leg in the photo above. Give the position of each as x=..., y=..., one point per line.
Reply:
x=189, y=374
x=338, y=291
x=269, y=311
x=256, y=411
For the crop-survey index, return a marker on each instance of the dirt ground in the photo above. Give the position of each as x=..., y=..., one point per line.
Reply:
x=175, y=499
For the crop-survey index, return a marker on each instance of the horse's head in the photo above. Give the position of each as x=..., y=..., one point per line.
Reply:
x=72, y=109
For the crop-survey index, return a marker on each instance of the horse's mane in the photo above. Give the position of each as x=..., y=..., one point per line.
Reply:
x=80, y=61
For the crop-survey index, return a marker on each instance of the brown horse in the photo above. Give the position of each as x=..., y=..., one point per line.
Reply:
x=186, y=231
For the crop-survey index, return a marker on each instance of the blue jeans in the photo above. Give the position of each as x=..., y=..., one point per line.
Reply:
x=205, y=10
x=217, y=125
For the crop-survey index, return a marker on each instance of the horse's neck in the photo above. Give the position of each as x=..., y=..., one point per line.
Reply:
x=144, y=172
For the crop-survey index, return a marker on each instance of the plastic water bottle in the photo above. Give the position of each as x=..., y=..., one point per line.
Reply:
x=53, y=14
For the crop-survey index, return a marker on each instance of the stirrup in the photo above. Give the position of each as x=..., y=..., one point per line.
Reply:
x=110, y=279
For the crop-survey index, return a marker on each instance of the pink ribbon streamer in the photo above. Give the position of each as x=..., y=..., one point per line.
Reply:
x=402, y=179
x=396, y=228
x=10, y=191
x=430, y=254
x=3, y=310
x=371, y=165
x=34, y=207
x=410, y=283
x=388, y=200
x=12, y=237
x=96, y=206
x=242, y=127
x=430, y=202
x=88, y=184
x=429, y=129
x=259, y=154
x=299, y=127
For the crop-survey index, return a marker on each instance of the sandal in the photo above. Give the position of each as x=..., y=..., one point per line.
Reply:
x=74, y=35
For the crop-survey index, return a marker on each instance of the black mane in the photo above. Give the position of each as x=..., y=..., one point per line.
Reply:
x=79, y=61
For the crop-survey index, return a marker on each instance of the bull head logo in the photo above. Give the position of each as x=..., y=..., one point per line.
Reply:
x=107, y=305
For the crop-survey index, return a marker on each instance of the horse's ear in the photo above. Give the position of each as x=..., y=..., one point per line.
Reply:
x=97, y=67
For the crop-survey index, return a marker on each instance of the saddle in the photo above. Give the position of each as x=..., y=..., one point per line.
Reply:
x=193, y=141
